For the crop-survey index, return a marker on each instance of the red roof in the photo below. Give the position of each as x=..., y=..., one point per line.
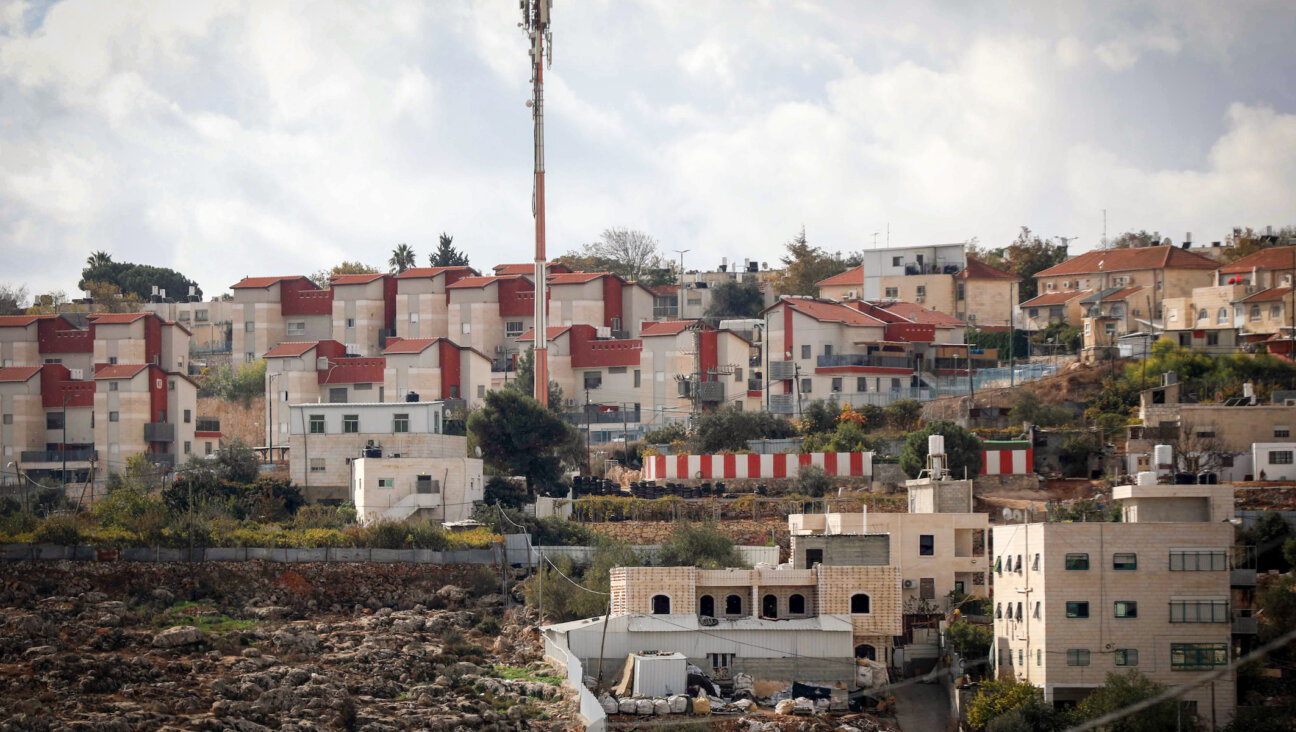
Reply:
x=664, y=289
x=576, y=278
x=262, y=282
x=978, y=270
x=666, y=327
x=1273, y=294
x=829, y=312
x=551, y=333
x=408, y=345
x=113, y=318
x=290, y=349
x=1121, y=260
x=21, y=321
x=354, y=279
x=852, y=276
x=1270, y=258
x=416, y=272
x=1054, y=298
x=119, y=371
x=476, y=282
x=918, y=314
x=18, y=373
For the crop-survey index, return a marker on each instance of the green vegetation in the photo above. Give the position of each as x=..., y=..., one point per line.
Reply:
x=202, y=616
x=804, y=265
x=1011, y=706
x=446, y=255
x=731, y=299
x=524, y=674
x=730, y=428
x=962, y=447
x=998, y=697
x=972, y=641
x=1028, y=407
x=225, y=383
x=135, y=279
x=1026, y=256
x=699, y=545
x=517, y=436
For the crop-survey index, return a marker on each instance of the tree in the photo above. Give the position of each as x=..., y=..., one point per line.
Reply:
x=51, y=302
x=139, y=279
x=1075, y=453
x=812, y=481
x=323, y=277
x=699, y=545
x=1267, y=535
x=98, y=259
x=517, y=436
x=903, y=415
x=998, y=697
x=238, y=462
x=730, y=428
x=1034, y=715
x=1134, y=240
x=1027, y=255
x=1125, y=690
x=972, y=641
x=446, y=255
x=108, y=298
x=732, y=299
x=631, y=254
x=1028, y=407
x=402, y=258
x=523, y=380
x=1278, y=608
x=583, y=595
x=1247, y=241
x=13, y=300
x=505, y=492
x=962, y=447
x=820, y=416
x=803, y=266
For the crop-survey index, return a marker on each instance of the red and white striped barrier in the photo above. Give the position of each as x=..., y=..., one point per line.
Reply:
x=1007, y=458
x=725, y=467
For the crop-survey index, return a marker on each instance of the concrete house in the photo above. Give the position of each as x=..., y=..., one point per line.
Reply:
x=422, y=302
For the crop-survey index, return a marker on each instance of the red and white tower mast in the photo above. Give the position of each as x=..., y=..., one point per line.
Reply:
x=535, y=20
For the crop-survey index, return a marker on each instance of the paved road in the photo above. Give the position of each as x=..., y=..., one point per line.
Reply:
x=922, y=708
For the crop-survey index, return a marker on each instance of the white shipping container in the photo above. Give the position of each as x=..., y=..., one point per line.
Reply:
x=660, y=675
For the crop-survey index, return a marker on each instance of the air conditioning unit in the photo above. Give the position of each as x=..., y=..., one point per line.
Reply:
x=604, y=332
x=850, y=294
x=918, y=298
x=413, y=317
x=910, y=584
x=79, y=374
x=570, y=402
x=466, y=328
x=321, y=364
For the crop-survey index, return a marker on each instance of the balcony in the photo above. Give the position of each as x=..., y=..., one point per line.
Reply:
x=159, y=432
x=57, y=456
x=163, y=460
x=592, y=417
x=665, y=312
x=865, y=359
x=1245, y=626
x=207, y=424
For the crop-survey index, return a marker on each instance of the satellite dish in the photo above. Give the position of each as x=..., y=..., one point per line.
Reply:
x=477, y=449
x=1007, y=515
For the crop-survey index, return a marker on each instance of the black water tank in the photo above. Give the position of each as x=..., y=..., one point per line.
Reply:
x=1185, y=479
x=411, y=396
x=1208, y=478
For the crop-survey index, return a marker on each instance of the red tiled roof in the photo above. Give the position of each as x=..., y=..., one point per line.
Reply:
x=576, y=278
x=852, y=276
x=114, y=318
x=1273, y=294
x=1054, y=298
x=181, y=327
x=290, y=349
x=551, y=333
x=119, y=371
x=1270, y=258
x=21, y=321
x=408, y=345
x=476, y=282
x=416, y=272
x=919, y=314
x=1121, y=260
x=354, y=279
x=18, y=373
x=262, y=282
x=666, y=327
x=831, y=312
x=978, y=270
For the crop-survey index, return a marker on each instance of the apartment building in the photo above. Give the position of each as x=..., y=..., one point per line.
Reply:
x=699, y=286
x=400, y=488
x=1043, y=310
x=939, y=278
x=1266, y=269
x=364, y=311
x=435, y=368
x=1076, y=601
x=209, y=322
x=489, y=313
x=422, y=301
x=267, y=311
x=317, y=371
x=601, y=299
x=775, y=624
x=326, y=440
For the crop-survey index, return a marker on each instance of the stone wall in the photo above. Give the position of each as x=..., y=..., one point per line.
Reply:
x=246, y=423
x=997, y=483
x=755, y=533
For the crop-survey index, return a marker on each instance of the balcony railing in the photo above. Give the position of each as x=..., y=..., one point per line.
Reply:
x=1245, y=626
x=665, y=311
x=161, y=459
x=628, y=417
x=57, y=456
x=207, y=424
x=865, y=359
x=159, y=432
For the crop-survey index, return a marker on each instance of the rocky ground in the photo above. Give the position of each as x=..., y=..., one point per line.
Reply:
x=264, y=646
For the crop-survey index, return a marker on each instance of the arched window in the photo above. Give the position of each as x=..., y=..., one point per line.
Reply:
x=733, y=605
x=1019, y=611
x=1222, y=317
x=769, y=606
x=796, y=605
x=1203, y=315
x=660, y=605
x=706, y=606
x=865, y=650
x=859, y=603
x=999, y=610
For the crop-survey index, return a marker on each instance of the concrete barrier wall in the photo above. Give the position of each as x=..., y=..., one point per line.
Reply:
x=55, y=552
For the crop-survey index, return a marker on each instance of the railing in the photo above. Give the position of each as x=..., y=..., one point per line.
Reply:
x=602, y=417
x=161, y=459
x=207, y=424
x=666, y=311
x=159, y=432
x=57, y=456
x=864, y=359
x=210, y=347
x=1245, y=625
x=503, y=365
x=961, y=364
x=937, y=268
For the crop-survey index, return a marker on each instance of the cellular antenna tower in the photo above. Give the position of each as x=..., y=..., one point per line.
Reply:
x=535, y=21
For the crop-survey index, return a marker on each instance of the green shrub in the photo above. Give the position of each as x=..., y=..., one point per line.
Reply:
x=62, y=530
x=386, y=535
x=488, y=626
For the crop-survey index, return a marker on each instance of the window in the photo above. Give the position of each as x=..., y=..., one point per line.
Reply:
x=1280, y=457
x=861, y=383
x=1126, y=657
x=386, y=482
x=927, y=589
x=1275, y=310
x=207, y=448
x=350, y=322
x=960, y=291
x=1197, y=560
x=1077, y=561
x=54, y=421
x=733, y=605
x=454, y=391
x=999, y=611
x=1039, y=657
x=1222, y=316
x=1126, y=609
x=769, y=606
x=1206, y=432
x=1055, y=313
x=1020, y=661
x=187, y=416
x=1124, y=561
x=895, y=383
x=113, y=417
x=616, y=369
x=1033, y=312
x=423, y=484
x=171, y=385
x=1281, y=430
x=350, y=423
x=481, y=391
x=1212, y=339
x=922, y=290
x=593, y=379
x=1077, y=657
x=897, y=261
x=805, y=386
x=400, y=423
x=1110, y=328
x=1038, y=605
x=926, y=545
x=1197, y=656
x=706, y=606
x=1035, y=563
x=8, y=419
x=186, y=447
x=513, y=328
x=1077, y=609
x=638, y=379
x=805, y=351
x=249, y=327
x=1255, y=312
x=892, y=293
x=1203, y=315
x=859, y=604
x=296, y=328
x=661, y=605
x=837, y=383
x=337, y=395
x=1199, y=611
x=317, y=465
x=720, y=661
x=249, y=357
x=317, y=424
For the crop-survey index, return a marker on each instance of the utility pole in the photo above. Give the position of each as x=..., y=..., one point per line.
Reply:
x=1012, y=332
x=682, y=299
x=589, y=467
x=64, y=450
x=535, y=21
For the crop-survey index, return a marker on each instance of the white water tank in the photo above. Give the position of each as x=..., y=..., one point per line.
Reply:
x=1248, y=392
x=1163, y=455
x=1146, y=477
x=936, y=445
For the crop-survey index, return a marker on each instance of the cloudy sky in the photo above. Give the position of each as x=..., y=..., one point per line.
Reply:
x=231, y=138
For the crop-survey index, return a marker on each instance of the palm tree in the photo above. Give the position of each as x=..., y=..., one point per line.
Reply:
x=402, y=258
x=98, y=258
